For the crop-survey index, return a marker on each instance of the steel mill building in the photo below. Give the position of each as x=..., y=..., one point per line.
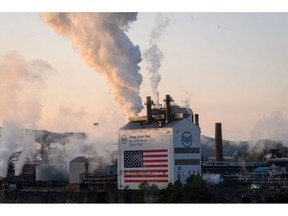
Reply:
x=161, y=147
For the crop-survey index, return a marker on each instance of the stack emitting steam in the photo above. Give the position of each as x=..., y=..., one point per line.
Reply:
x=101, y=41
x=153, y=55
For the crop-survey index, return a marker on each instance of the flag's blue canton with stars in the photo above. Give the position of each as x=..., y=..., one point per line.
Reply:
x=133, y=159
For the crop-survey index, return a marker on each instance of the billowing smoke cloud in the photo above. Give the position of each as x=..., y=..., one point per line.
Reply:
x=273, y=127
x=21, y=82
x=20, y=85
x=101, y=41
x=60, y=153
x=99, y=151
x=153, y=55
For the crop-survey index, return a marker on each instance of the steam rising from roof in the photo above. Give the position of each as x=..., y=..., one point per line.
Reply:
x=101, y=41
x=153, y=55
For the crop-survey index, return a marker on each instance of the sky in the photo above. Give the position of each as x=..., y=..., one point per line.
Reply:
x=228, y=67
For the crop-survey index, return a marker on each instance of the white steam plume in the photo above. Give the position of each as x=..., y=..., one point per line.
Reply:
x=97, y=149
x=28, y=148
x=187, y=99
x=101, y=41
x=9, y=142
x=21, y=82
x=20, y=85
x=15, y=138
x=153, y=55
x=273, y=127
x=212, y=179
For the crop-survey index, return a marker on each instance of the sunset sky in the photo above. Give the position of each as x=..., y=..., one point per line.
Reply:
x=228, y=67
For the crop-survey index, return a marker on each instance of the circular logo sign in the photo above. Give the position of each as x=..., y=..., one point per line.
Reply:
x=187, y=139
x=123, y=139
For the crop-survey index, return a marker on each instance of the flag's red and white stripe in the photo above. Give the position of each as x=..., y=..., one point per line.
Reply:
x=154, y=170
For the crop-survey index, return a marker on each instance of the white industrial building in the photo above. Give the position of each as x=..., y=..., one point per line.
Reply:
x=159, y=148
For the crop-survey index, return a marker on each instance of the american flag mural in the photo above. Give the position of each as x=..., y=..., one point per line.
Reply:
x=146, y=165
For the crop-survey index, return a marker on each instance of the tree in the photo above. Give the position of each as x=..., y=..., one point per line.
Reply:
x=174, y=192
x=195, y=189
x=148, y=193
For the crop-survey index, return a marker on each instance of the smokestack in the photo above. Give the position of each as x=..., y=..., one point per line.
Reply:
x=218, y=142
x=168, y=108
x=197, y=119
x=149, y=103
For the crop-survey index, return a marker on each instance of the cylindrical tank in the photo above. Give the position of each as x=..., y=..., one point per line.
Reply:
x=51, y=173
x=218, y=142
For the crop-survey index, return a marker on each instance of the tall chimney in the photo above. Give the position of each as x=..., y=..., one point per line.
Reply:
x=149, y=103
x=218, y=142
x=168, y=108
x=197, y=119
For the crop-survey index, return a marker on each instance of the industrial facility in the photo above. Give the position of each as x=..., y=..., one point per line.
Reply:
x=161, y=147
x=164, y=146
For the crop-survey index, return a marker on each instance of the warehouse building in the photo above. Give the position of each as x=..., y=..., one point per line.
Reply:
x=159, y=148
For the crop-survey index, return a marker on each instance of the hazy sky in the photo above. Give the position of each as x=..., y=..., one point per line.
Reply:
x=229, y=67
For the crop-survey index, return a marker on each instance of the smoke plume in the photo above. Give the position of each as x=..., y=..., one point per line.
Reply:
x=273, y=127
x=99, y=151
x=15, y=138
x=101, y=41
x=28, y=147
x=21, y=82
x=187, y=99
x=153, y=55
x=212, y=179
